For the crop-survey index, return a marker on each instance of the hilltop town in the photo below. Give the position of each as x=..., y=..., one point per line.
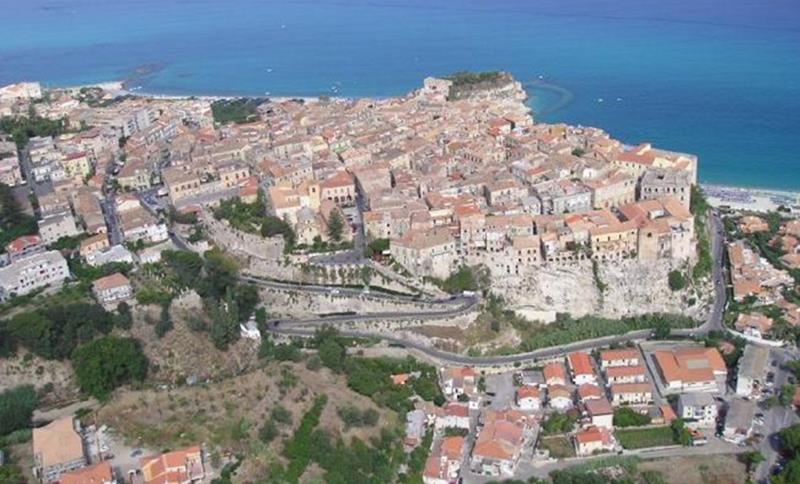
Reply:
x=431, y=287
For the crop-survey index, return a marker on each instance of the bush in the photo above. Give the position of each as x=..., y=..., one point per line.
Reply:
x=268, y=431
x=16, y=408
x=281, y=415
x=626, y=417
x=558, y=423
x=647, y=437
x=676, y=280
x=106, y=363
x=353, y=417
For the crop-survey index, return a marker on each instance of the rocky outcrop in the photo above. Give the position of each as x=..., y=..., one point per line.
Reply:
x=626, y=287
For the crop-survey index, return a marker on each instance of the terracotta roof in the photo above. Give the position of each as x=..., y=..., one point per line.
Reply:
x=555, y=391
x=21, y=243
x=173, y=467
x=598, y=407
x=456, y=409
x=690, y=364
x=96, y=474
x=109, y=282
x=554, y=370
x=580, y=363
x=592, y=434
x=622, y=388
x=623, y=371
x=57, y=443
x=452, y=447
x=620, y=354
x=589, y=390
x=528, y=391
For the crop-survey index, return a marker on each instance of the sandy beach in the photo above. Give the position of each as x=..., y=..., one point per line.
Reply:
x=753, y=199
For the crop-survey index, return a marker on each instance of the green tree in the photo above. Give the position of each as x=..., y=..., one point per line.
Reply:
x=221, y=273
x=108, y=362
x=786, y=396
x=332, y=354
x=627, y=417
x=335, y=226
x=225, y=322
x=751, y=459
x=676, y=280
x=124, y=318
x=16, y=408
x=164, y=324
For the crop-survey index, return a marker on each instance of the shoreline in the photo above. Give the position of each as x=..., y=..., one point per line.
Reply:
x=717, y=194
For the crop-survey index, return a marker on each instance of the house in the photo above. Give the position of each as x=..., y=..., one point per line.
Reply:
x=600, y=413
x=429, y=252
x=57, y=449
x=555, y=374
x=631, y=393
x=756, y=325
x=739, y=420
x=56, y=226
x=93, y=244
x=593, y=440
x=752, y=369
x=580, y=366
x=499, y=444
x=97, y=474
x=620, y=357
x=112, y=289
x=698, y=410
x=415, y=428
x=589, y=391
x=626, y=374
x=24, y=246
x=453, y=415
x=458, y=381
x=559, y=397
x=750, y=224
x=183, y=466
x=690, y=368
x=529, y=398
x=444, y=463
x=115, y=253
x=31, y=273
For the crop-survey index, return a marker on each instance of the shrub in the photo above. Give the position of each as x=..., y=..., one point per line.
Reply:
x=676, y=280
x=16, y=408
x=106, y=363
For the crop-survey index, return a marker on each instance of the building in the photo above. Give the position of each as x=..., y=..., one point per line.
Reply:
x=599, y=413
x=57, y=449
x=559, y=397
x=593, y=440
x=444, y=463
x=529, y=398
x=415, y=428
x=97, y=474
x=666, y=229
x=453, y=415
x=626, y=374
x=555, y=374
x=660, y=183
x=690, y=368
x=499, y=444
x=24, y=246
x=458, y=381
x=620, y=357
x=752, y=369
x=31, y=273
x=112, y=289
x=115, y=253
x=589, y=391
x=55, y=226
x=698, y=410
x=631, y=394
x=756, y=325
x=426, y=252
x=580, y=365
x=177, y=467
x=739, y=420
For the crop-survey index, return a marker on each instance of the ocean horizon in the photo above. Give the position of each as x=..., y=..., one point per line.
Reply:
x=706, y=77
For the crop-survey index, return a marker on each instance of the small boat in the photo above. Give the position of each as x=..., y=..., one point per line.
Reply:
x=599, y=99
x=283, y=26
x=619, y=99
x=269, y=70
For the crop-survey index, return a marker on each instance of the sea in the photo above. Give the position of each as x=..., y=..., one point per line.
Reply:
x=718, y=78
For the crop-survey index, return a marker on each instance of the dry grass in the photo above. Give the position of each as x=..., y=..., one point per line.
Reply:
x=707, y=469
x=228, y=414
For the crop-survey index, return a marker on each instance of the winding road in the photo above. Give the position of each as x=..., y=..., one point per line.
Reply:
x=463, y=304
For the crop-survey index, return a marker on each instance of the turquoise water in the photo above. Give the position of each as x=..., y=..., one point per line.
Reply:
x=702, y=76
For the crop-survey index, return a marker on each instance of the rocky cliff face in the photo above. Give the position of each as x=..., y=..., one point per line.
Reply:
x=629, y=287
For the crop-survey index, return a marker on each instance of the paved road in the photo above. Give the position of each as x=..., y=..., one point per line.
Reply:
x=717, y=238
x=776, y=418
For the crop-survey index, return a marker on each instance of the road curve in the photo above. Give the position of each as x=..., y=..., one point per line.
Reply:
x=465, y=304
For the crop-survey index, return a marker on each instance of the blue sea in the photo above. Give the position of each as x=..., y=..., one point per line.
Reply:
x=718, y=78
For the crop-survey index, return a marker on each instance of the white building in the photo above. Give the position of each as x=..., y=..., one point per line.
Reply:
x=116, y=253
x=53, y=227
x=698, y=410
x=31, y=273
x=112, y=288
x=752, y=366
